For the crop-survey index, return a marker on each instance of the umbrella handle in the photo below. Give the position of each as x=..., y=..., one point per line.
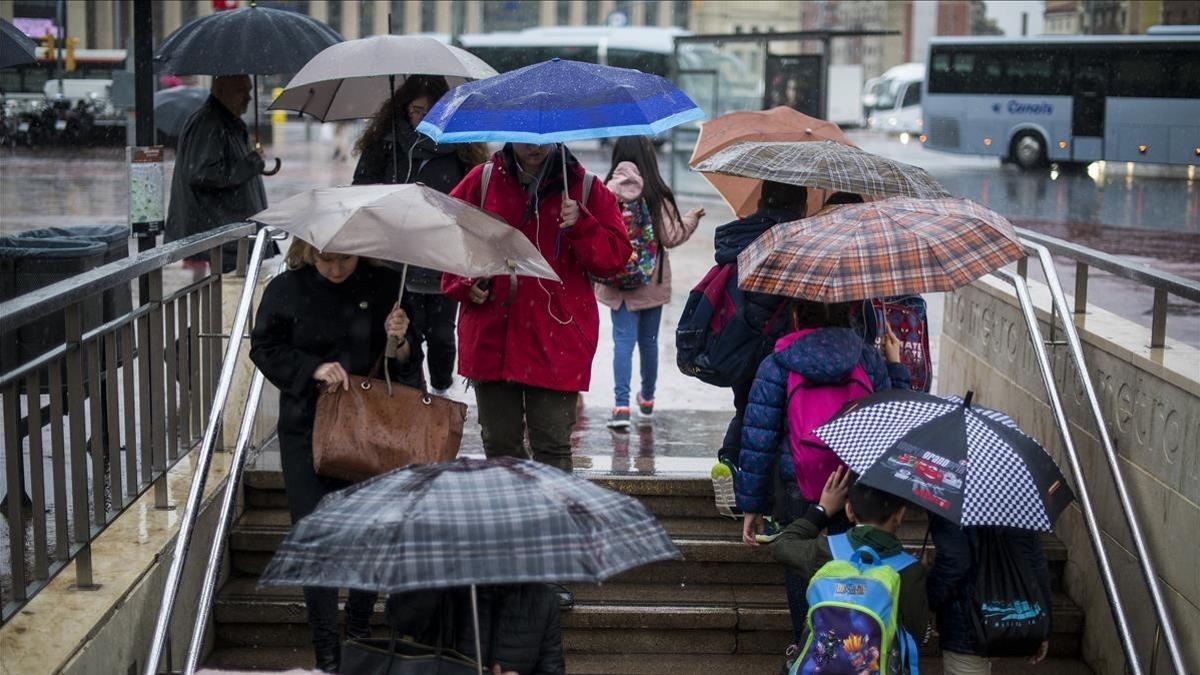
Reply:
x=273, y=170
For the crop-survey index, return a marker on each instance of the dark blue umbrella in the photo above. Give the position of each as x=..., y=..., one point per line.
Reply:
x=15, y=47
x=558, y=101
x=172, y=107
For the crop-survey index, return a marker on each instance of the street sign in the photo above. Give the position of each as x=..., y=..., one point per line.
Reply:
x=146, y=217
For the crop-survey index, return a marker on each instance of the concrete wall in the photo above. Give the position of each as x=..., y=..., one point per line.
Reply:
x=1151, y=403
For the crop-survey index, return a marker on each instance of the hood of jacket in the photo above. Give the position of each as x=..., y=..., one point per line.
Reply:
x=824, y=355
x=734, y=236
x=626, y=182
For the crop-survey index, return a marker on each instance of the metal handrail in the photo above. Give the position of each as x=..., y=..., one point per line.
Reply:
x=1075, y=348
x=1081, y=489
x=1163, y=283
x=39, y=303
x=204, y=455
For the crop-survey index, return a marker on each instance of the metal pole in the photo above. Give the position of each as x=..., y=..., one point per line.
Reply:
x=143, y=97
x=1110, y=454
x=1085, y=499
x=236, y=467
x=475, y=616
x=61, y=16
x=204, y=457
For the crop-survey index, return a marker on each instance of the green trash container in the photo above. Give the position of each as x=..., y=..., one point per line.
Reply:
x=117, y=301
x=28, y=264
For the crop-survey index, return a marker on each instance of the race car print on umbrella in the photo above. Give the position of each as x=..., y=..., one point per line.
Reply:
x=966, y=463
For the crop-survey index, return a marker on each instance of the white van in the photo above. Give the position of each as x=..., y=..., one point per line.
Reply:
x=897, y=106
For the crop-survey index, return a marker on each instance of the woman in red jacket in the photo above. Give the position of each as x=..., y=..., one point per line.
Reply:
x=529, y=350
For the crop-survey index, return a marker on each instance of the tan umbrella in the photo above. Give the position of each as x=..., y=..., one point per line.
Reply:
x=409, y=224
x=777, y=124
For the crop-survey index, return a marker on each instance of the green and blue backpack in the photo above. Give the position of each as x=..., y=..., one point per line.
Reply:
x=853, y=615
x=639, y=271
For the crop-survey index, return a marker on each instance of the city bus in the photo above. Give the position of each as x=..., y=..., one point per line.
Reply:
x=1068, y=99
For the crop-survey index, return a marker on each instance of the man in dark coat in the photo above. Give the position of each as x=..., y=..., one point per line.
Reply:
x=218, y=174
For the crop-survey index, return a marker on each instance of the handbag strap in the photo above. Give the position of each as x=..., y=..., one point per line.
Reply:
x=387, y=371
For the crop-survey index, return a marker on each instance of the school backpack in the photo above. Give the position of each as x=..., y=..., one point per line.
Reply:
x=1008, y=616
x=906, y=316
x=808, y=407
x=853, y=623
x=714, y=342
x=639, y=271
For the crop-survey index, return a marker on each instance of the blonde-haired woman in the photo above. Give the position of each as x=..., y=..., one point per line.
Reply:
x=327, y=317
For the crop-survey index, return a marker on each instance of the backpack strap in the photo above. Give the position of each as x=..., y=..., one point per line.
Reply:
x=484, y=180
x=839, y=546
x=898, y=561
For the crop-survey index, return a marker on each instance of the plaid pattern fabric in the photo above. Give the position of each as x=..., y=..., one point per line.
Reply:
x=1008, y=475
x=824, y=164
x=465, y=522
x=890, y=247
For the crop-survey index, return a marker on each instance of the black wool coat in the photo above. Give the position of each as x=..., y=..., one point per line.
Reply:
x=304, y=321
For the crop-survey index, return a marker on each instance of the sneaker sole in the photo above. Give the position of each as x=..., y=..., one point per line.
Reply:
x=624, y=424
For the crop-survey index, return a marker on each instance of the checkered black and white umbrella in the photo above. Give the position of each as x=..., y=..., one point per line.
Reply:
x=467, y=522
x=969, y=464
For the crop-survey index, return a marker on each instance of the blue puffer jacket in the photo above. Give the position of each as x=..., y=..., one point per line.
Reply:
x=951, y=583
x=827, y=355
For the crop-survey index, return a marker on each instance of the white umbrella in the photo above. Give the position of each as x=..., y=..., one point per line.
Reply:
x=409, y=224
x=353, y=79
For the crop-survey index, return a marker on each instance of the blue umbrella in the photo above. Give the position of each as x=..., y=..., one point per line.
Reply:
x=558, y=101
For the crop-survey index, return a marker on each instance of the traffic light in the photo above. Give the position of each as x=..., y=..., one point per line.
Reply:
x=72, y=42
x=219, y=5
x=48, y=42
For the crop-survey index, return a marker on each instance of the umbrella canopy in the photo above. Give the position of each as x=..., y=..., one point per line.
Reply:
x=966, y=463
x=466, y=522
x=558, y=101
x=352, y=80
x=248, y=41
x=409, y=224
x=15, y=47
x=823, y=164
x=879, y=249
x=172, y=107
x=777, y=124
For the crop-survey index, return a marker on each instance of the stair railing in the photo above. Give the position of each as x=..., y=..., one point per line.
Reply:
x=204, y=456
x=1075, y=350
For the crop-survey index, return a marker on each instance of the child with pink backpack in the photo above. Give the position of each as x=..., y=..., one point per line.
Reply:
x=822, y=364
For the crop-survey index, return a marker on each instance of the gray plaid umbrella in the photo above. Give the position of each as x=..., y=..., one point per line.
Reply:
x=466, y=522
x=824, y=164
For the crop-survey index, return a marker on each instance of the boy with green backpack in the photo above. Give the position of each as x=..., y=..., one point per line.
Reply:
x=867, y=603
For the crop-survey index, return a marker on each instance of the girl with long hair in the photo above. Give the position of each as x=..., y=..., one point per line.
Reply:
x=636, y=313
x=391, y=151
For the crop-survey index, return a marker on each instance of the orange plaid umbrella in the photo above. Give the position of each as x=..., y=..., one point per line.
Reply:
x=777, y=124
x=890, y=247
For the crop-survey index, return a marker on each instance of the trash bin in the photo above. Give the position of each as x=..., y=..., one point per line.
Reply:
x=28, y=264
x=117, y=301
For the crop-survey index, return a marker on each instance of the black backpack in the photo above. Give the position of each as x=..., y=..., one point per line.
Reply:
x=1009, y=616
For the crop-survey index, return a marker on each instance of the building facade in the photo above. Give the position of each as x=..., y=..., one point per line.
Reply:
x=1116, y=17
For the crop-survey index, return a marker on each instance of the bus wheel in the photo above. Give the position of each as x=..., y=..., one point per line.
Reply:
x=1028, y=150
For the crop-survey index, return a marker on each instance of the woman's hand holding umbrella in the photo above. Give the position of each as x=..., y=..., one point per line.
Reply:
x=396, y=327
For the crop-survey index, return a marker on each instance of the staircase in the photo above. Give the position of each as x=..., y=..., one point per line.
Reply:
x=719, y=610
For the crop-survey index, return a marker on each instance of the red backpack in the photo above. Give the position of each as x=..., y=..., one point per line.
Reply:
x=808, y=407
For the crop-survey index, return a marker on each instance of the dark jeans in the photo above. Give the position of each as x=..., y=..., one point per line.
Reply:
x=507, y=410
x=434, y=315
x=304, y=490
x=790, y=507
x=731, y=447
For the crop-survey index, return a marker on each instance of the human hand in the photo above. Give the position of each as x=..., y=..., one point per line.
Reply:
x=331, y=375
x=479, y=294
x=890, y=345
x=833, y=496
x=496, y=671
x=396, y=324
x=752, y=524
x=1041, y=653
x=570, y=213
x=697, y=213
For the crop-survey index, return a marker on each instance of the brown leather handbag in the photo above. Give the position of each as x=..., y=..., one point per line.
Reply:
x=378, y=425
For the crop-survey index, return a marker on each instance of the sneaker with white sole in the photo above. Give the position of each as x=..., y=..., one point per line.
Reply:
x=619, y=418
x=646, y=408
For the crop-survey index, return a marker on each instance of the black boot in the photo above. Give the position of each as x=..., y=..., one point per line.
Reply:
x=328, y=658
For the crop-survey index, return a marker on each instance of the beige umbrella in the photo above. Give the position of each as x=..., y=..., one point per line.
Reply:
x=409, y=224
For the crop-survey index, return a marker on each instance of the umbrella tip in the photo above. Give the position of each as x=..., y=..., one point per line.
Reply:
x=967, y=400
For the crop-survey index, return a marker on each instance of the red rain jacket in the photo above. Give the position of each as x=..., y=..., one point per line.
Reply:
x=547, y=336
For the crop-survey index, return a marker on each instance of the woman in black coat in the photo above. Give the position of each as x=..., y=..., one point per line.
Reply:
x=519, y=625
x=419, y=160
x=328, y=316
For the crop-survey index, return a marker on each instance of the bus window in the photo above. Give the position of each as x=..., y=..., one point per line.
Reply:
x=1033, y=73
x=912, y=95
x=1187, y=75
x=647, y=62
x=1138, y=75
